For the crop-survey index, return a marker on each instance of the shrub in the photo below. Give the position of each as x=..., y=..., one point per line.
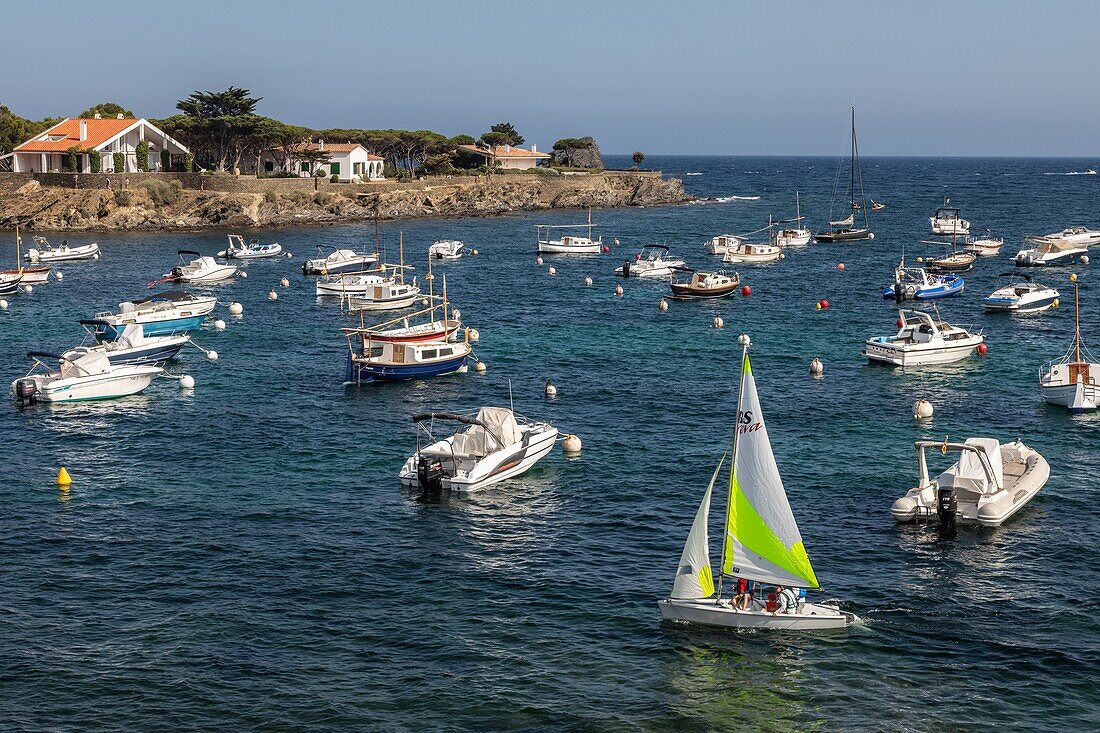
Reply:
x=188, y=163
x=141, y=151
x=96, y=159
x=122, y=198
x=334, y=178
x=72, y=159
x=120, y=162
x=320, y=173
x=163, y=193
x=165, y=159
x=271, y=197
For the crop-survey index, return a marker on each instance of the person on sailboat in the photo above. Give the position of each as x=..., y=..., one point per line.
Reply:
x=784, y=600
x=742, y=600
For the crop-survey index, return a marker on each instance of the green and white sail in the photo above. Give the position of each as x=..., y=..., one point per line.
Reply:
x=762, y=541
x=694, y=578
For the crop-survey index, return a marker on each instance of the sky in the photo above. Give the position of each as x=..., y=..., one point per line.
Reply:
x=772, y=77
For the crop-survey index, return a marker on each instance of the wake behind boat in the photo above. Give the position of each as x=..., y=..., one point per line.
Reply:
x=761, y=541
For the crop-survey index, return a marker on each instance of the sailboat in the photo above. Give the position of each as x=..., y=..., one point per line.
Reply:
x=761, y=541
x=846, y=230
x=797, y=235
x=1074, y=380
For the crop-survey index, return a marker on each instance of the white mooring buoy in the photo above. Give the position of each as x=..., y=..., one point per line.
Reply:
x=922, y=410
x=285, y=283
x=272, y=295
x=187, y=382
x=662, y=305
x=619, y=290
x=587, y=282
x=551, y=390
x=235, y=309
x=816, y=367
x=571, y=444
x=717, y=322
x=219, y=325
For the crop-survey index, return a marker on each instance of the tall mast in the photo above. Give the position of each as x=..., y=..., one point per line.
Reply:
x=590, y=222
x=852, y=183
x=431, y=291
x=18, y=249
x=855, y=165
x=797, y=212
x=1077, y=323
x=401, y=256
x=745, y=342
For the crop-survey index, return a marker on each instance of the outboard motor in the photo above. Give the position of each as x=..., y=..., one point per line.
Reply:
x=429, y=473
x=899, y=291
x=26, y=391
x=947, y=506
x=626, y=268
x=177, y=272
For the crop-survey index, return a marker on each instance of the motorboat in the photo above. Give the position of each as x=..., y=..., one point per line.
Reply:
x=132, y=345
x=916, y=283
x=720, y=244
x=847, y=230
x=652, y=262
x=922, y=339
x=43, y=251
x=1050, y=252
x=1074, y=380
x=705, y=286
x=1027, y=296
x=384, y=361
x=753, y=253
x=947, y=222
x=201, y=270
x=162, y=314
x=88, y=376
x=492, y=446
x=1077, y=236
x=253, y=250
x=989, y=483
x=338, y=261
x=446, y=249
x=355, y=284
x=984, y=246
x=796, y=235
x=388, y=295
x=9, y=283
x=545, y=243
x=760, y=540
x=877, y=205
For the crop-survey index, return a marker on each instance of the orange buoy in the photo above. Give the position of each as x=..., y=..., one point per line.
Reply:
x=606, y=249
x=746, y=291
x=840, y=266
x=982, y=349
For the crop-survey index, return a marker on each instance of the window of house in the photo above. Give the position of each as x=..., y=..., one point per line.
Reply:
x=358, y=168
x=334, y=169
x=269, y=166
x=303, y=167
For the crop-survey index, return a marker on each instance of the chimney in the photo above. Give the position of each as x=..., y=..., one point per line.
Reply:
x=118, y=116
x=83, y=130
x=321, y=146
x=98, y=116
x=534, y=148
x=507, y=147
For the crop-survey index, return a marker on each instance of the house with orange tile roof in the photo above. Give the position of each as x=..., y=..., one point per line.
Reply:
x=346, y=161
x=48, y=151
x=507, y=157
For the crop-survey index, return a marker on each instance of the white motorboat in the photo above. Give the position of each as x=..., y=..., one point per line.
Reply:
x=1020, y=297
x=922, y=339
x=89, y=376
x=161, y=314
x=486, y=449
x=569, y=243
x=387, y=295
x=947, y=222
x=720, y=244
x=1074, y=380
x=446, y=249
x=338, y=261
x=132, y=346
x=984, y=246
x=989, y=483
x=253, y=250
x=760, y=539
x=1050, y=252
x=43, y=251
x=357, y=284
x=201, y=270
x=797, y=235
x=652, y=262
x=1077, y=236
x=757, y=253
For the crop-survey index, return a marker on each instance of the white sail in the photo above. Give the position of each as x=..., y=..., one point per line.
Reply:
x=844, y=222
x=762, y=539
x=694, y=577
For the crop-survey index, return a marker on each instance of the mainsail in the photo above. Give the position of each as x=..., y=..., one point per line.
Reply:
x=762, y=541
x=693, y=574
x=844, y=222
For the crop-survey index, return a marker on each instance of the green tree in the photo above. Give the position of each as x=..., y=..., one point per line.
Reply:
x=457, y=140
x=506, y=128
x=219, y=125
x=72, y=159
x=638, y=157
x=315, y=157
x=188, y=163
x=492, y=139
x=141, y=152
x=106, y=110
x=279, y=139
x=165, y=159
x=16, y=130
x=96, y=160
x=120, y=162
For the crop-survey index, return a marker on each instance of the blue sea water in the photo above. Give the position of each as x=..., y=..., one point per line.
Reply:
x=242, y=558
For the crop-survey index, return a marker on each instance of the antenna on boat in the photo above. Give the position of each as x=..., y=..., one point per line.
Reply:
x=511, y=406
x=401, y=256
x=376, y=228
x=431, y=290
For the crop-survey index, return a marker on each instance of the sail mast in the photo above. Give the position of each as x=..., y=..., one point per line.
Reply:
x=745, y=342
x=852, y=183
x=18, y=250
x=1077, y=323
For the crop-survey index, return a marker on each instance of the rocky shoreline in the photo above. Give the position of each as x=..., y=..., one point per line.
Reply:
x=104, y=204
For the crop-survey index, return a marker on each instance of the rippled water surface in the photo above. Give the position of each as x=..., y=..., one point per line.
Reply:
x=241, y=557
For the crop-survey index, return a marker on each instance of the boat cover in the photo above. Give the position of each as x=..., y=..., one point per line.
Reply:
x=92, y=363
x=476, y=440
x=133, y=335
x=968, y=473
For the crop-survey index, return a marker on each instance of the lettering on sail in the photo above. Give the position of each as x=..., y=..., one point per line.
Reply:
x=745, y=422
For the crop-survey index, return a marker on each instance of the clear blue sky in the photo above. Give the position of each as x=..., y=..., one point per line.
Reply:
x=927, y=78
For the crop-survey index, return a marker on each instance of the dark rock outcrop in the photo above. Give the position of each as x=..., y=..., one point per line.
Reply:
x=579, y=157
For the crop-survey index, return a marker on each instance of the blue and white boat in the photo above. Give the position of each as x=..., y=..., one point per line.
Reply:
x=253, y=250
x=163, y=314
x=916, y=283
x=1021, y=297
x=388, y=361
x=132, y=346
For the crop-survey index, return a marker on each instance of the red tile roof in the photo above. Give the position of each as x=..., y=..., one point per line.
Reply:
x=503, y=151
x=99, y=132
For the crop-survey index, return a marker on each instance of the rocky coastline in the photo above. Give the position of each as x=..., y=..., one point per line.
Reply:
x=167, y=202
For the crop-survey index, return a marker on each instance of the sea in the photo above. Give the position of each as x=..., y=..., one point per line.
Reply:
x=240, y=556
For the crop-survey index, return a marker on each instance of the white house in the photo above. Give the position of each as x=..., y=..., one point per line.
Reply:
x=507, y=156
x=347, y=161
x=48, y=151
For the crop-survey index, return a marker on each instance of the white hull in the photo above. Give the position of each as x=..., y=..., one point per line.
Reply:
x=249, y=254
x=367, y=304
x=501, y=465
x=562, y=249
x=706, y=612
x=919, y=355
x=800, y=239
x=960, y=228
x=130, y=381
x=221, y=274
x=26, y=277
x=733, y=256
x=85, y=252
x=1065, y=395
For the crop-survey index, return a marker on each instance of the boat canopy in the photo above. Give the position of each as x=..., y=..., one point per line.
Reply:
x=86, y=365
x=971, y=472
x=133, y=335
x=491, y=429
x=173, y=296
x=655, y=246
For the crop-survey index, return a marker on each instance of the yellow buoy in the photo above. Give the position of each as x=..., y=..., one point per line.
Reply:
x=63, y=478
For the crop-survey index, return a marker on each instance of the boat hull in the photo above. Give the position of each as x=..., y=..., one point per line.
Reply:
x=935, y=292
x=687, y=292
x=1018, y=305
x=9, y=285
x=1070, y=257
x=844, y=235
x=167, y=327
x=30, y=275
x=500, y=466
x=86, y=252
x=344, y=267
x=363, y=373
x=877, y=351
x=707, y=612
x=560, y=249
x=103, y=387
x=273, y=250
x=1065, y=395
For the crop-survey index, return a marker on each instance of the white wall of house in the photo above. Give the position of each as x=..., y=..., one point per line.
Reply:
x=348, y=166
x=518, y=164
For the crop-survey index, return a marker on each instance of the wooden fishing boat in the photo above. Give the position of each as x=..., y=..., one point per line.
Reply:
x=706, y=286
